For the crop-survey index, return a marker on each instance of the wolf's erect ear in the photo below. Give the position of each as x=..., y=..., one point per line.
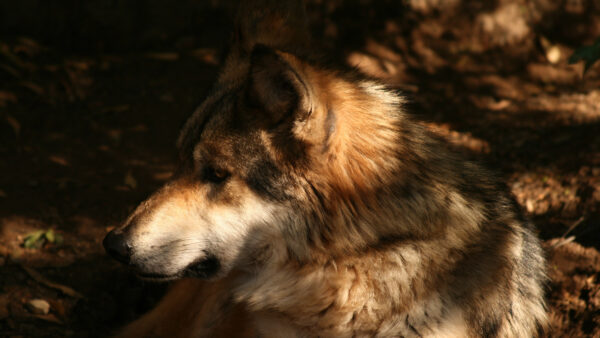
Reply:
x=275, y=87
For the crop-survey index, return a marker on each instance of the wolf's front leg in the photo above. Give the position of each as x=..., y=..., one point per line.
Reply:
x=194, y=308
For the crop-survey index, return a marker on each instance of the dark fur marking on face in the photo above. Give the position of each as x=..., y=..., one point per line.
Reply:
x=189, y=139
x=219, y=193
x=194, y=133
x=265, y=179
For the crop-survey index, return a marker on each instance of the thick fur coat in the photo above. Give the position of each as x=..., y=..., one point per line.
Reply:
x=316, y=206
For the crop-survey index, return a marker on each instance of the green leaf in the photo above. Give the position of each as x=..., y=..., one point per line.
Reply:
x=34, y=240
x=50, y=236
x=32, y=243
x=38, y=238
x=589, y=54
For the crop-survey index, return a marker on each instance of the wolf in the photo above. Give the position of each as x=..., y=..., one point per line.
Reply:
x=307, y=202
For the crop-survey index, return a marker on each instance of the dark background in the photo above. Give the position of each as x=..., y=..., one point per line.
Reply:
x=93, y=93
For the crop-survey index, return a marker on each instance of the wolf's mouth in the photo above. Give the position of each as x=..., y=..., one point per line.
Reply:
x=156, y=277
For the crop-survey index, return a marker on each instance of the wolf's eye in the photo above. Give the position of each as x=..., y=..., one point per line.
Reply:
x=215, y=175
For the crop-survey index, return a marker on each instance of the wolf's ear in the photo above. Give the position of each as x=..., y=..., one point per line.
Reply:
x=275, y=87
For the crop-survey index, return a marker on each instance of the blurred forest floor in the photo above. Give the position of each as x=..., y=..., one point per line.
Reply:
x=93, y=93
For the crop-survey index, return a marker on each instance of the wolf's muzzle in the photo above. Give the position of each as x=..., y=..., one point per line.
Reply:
x=117, y=246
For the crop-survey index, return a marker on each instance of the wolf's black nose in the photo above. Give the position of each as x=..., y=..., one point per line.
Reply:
x=116, y=246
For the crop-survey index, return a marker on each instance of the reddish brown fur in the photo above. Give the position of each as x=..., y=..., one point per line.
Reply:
x=209, y=312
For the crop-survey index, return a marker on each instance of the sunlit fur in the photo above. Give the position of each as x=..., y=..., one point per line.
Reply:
x=340, y=216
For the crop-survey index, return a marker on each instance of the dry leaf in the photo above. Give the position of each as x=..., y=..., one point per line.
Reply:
x=163, y=56
x=58, y=160
x=6, y=97
x=16, y=126
x=37, y=89
x=49, y=318
x=130, y=181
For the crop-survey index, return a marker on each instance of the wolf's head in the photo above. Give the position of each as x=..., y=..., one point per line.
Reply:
x=265, y=162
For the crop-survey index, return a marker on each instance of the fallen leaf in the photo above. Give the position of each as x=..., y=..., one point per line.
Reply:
x=500, y=105
x=15, y=73
x=6, y=97
x=37, y=239
x=34, y=240
x=130, y=181
x=206, y=55
x=163, y=56
x=115, y=136
x=13, y=58
x=28, y=46
x=37, y=89
x=58, y=160
x=50, y=236
x=16, y=126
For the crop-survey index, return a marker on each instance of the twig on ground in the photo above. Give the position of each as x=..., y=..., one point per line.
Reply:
x=562, y=241
x=42, y=280
x=573, y=226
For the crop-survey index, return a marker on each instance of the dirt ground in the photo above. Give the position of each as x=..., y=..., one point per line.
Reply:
x=92, y=97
